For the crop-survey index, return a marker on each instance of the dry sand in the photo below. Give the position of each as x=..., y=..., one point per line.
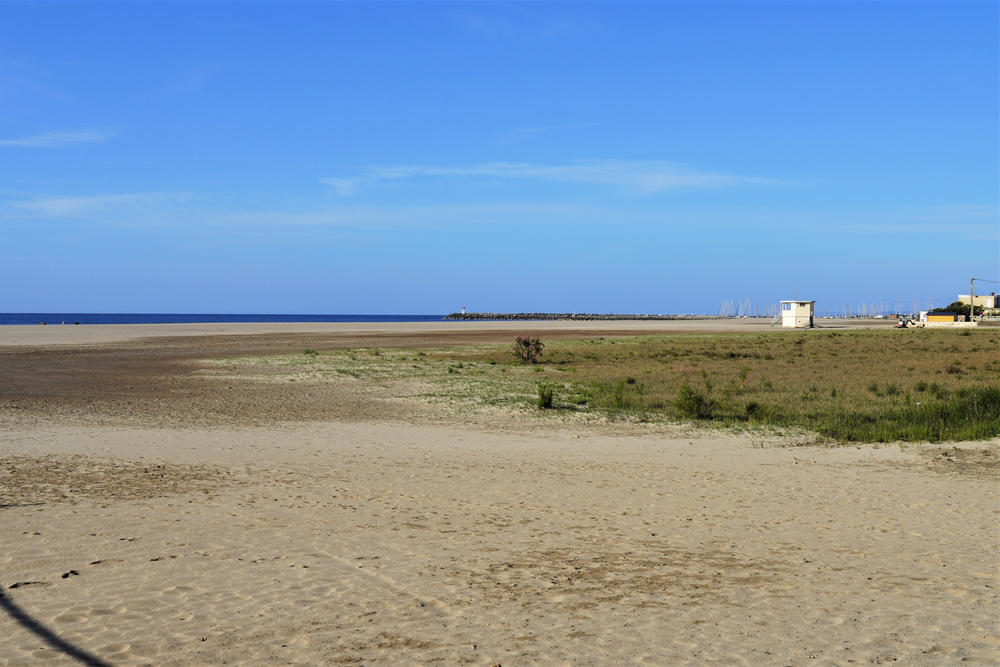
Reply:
x=136, y=530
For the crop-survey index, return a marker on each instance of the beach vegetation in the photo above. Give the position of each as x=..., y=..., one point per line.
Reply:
x=546, y=395
x=845, y=387
x=696, y=404
x=527, y=350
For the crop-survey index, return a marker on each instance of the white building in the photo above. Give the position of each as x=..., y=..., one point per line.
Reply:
x=987, y=301
x=798, y=314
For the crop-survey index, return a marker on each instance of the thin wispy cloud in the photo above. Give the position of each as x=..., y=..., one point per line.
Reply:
x=68, y=207
x=965, y=222
x=343, y=186
x=426, y=216
x=182, y=211
x=643, y=177
x=969, y=219
x=56, y=139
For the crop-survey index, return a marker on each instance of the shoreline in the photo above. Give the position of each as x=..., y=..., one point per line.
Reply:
x=31, y=335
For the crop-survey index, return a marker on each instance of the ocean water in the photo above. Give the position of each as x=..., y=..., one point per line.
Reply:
x=183, y=318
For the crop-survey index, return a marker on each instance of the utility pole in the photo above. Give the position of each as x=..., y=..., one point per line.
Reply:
x=972, y=299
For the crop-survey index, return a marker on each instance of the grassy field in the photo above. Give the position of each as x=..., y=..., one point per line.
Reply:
x=854, y=385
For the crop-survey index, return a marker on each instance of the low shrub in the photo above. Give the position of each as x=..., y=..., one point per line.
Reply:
x=620, y=398
x=693, y=403
x=546, y=395
x=527, y=349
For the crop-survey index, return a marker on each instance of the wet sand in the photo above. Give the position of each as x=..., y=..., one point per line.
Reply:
x=68, y=334
x=154, y=515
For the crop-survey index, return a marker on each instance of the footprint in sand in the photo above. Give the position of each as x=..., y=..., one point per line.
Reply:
x=117, y=647
x=71, y=618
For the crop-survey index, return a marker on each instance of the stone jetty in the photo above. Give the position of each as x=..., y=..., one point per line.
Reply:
x=576, y=316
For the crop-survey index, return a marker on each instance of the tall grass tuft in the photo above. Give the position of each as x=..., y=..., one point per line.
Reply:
x=546, y=395
x=696, y=404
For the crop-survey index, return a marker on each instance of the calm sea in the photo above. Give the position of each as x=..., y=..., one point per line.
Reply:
x=180, y=318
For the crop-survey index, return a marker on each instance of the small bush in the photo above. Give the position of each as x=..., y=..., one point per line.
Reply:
x=310, y=352
x=527, y=350
x=921, y=386
x=693, y=403
x=546, y=395
x=620, y=399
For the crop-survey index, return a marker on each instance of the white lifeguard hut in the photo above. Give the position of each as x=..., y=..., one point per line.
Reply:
x=797, y=314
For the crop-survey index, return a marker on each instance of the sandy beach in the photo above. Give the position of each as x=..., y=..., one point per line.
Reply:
x=152, y=513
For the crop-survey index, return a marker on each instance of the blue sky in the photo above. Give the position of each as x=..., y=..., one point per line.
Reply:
x=417, y=157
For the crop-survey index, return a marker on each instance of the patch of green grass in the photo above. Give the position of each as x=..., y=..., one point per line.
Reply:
x=745, y=380
x=968, y=414
x=845, y=385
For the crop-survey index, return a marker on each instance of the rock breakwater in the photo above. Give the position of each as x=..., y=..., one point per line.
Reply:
x=576, y=316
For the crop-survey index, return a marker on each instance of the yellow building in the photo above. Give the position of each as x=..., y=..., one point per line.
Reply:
x=940, y=317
